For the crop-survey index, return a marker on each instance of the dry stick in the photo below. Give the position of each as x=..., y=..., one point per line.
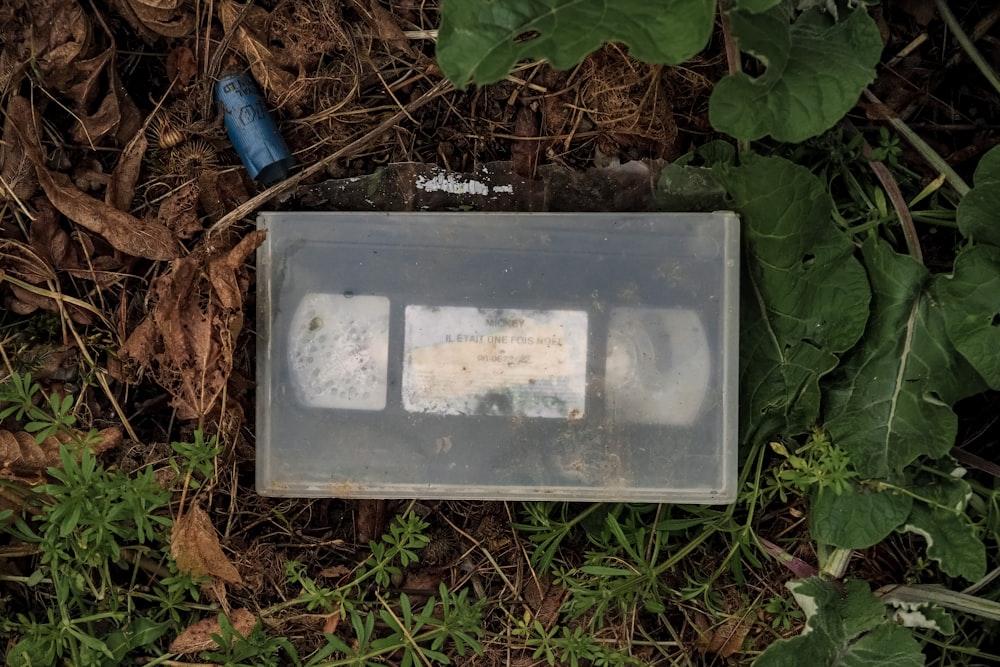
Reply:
x=249, y=206
x=928, y=153
x=907, y=50
x=970, y=49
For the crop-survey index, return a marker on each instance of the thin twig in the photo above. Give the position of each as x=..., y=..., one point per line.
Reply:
x=249, y=206
x=928, y=153
x=970, y=49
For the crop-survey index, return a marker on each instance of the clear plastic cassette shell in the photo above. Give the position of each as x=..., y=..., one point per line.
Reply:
x=502, y=356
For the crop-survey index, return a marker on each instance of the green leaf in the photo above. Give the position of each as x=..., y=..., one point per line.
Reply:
x=929, y=616
x=816, y=69
x=941, y=520
x=482, y=39
x=804, y=295
x=756, y=6
x=857, y=518
x=847, y=630
x=685, y=188
x=970, y=303
x=978, y=213
x=34, y=650
x=888, y=403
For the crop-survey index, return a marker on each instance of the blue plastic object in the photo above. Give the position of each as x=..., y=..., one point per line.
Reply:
x=252, y=129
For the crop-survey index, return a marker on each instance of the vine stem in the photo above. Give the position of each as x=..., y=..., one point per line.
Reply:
x=891, y=187
x=970, y=49
x=732, y=57
x=928, y=153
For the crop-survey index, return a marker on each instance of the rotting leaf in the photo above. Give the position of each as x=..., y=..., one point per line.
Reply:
x=196, y=549
x=727, y=639
x=181, y=68
x=198, y=637
x=804, y=298
x=60, y=33
x=17, y=176
x=890, y=400
x=140, y=238
x=25, y=460
x=154, y=19
x=263, y=63
x=188, y=337
x=179, y=211
x=121, y=187
x=385, y=25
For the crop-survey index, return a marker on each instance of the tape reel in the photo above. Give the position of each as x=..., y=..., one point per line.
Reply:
x=338, y=351
x=658, y=366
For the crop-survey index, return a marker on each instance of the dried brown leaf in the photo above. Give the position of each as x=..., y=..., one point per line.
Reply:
x=524, y=153
x=385, y=25
x=121, y=187
x=263, y=63
x=17, y=176
x=224, y=271
x=86, y=86
x=27, y=301
x=49, y=239
x=23, y=459
x=167, y=5
x=140, y=238
x=181, y=67
x=371, y=520
x=153, y=20
x=726, y=639
x=544, y=599
x=198, y=637
x=922, y=11
x=196, y=549
x=179, y=211
x=23, y=262
x=220, y=192
x=60, y=35
x=189, y=336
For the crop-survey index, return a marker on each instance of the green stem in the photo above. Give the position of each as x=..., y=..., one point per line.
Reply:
x=970, y=49
x=928, y=153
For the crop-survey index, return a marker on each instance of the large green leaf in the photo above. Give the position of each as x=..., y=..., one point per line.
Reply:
x=804, y=295
x=849, y=630
x=816, y=69
x=756, y=6
x=888, y=402
x=482, y=39
x=856, y=518
x=970, y=303
x=940, y=518
x=978, y=213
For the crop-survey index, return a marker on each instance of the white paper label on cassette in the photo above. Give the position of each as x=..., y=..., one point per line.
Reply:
x=481, y=361
x=339, y=351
